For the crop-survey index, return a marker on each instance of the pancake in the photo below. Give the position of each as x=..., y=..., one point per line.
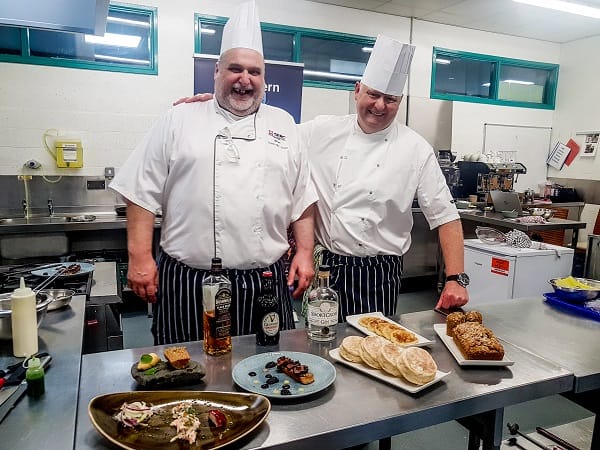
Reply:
x=388, y=357
x=403, y=337
x=370, y=348
x=350, y=349
x=417, y=365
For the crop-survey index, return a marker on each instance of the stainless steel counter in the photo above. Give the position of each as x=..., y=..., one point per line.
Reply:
x=357, y=408
x=497, y=220
x=49, y=422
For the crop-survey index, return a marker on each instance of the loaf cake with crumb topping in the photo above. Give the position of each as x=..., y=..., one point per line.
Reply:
x=477, y=342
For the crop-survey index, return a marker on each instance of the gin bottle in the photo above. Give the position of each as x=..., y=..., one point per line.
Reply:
x=216, y=300
x=322, y=312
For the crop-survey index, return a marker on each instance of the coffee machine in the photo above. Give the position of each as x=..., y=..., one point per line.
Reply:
x=479, y=177
x=450, y=170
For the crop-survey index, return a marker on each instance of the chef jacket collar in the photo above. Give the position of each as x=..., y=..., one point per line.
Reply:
x=377, y=135
x=240, y=127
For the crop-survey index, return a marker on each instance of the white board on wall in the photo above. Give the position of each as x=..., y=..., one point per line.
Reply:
x=531, y=145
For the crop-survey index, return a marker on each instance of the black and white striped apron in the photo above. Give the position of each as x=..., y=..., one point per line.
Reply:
x=366, y=284
x=177, y=313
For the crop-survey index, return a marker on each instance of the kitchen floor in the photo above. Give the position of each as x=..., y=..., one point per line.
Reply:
x=562, y=416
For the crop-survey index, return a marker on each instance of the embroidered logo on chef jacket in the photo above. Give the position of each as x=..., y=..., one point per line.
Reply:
x=278, y=140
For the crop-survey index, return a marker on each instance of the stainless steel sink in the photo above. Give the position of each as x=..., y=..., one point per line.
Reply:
x=33, y=220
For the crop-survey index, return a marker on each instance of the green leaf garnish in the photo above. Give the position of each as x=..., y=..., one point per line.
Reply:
x=151, y=371
x=146, y=358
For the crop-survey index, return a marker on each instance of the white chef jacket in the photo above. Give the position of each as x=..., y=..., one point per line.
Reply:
x=261, y=183
x=366, y=184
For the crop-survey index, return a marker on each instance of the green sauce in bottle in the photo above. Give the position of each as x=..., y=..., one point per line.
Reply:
x=35, y=378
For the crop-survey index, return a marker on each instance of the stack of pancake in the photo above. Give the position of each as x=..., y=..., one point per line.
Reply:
x=414, y=364
x=389, y=330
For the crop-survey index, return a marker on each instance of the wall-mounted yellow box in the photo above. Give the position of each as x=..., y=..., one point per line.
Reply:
x=69, y=153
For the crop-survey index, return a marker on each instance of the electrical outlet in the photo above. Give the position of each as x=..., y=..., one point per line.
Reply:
x=109, y=172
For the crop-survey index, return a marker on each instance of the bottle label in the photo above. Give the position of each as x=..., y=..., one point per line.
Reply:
x=270, y=324
x=324, y=315
x=223, y=318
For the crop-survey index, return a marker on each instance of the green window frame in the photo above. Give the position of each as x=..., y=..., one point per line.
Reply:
x=22, y=54
x=539, y=94
x=289, y=42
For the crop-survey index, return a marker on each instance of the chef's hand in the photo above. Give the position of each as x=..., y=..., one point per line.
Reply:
x=196, y=98
x=302, y=268
x=142, y=277
x=453, y=296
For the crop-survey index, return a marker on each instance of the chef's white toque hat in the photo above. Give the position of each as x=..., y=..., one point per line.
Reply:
x=242, y=30
x=388, y=66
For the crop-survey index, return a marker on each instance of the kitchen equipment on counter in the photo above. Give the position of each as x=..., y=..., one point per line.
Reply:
x=5, y=314
x=501, y=272
x=450, y=171
x=479, y=177
x=509, y=214
x=576, y=294
x=59, y=297
x=544, y=212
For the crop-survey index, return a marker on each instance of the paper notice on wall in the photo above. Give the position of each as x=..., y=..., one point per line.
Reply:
x=558, y=155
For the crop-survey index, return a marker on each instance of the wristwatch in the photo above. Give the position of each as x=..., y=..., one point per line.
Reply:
x=461, y=278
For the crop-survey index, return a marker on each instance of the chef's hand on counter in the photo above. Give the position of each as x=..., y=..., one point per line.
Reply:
x=453, y=296
x=302, y=269
x=142, y=277
x=196, y=98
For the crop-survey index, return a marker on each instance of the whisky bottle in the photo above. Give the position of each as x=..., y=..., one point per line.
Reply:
x=266, y=312
x=322, y=312
x=216, y=300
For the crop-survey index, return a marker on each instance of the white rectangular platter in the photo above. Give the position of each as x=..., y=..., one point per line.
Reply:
x=353, y=320
x=440, y=329
x=400, y=383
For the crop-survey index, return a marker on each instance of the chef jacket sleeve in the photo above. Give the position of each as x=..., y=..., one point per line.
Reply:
x=435, y=199
x=142, y=177
x=305, y=193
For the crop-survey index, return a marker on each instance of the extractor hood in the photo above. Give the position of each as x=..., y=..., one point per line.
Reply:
x=80, y=16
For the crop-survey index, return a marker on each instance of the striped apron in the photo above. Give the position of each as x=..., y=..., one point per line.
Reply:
x=177, y=313
x=366, y=284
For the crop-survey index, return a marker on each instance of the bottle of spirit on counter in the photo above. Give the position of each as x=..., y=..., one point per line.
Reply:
x=216, y=300
x=266, y=312
x=322, y=312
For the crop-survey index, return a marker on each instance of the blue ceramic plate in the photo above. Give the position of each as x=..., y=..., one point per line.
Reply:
x=85, y=268
x=323, y=371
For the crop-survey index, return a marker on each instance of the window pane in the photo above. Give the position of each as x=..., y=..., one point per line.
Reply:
x=463, y=76
x=210, y=38
x=126, y=41
x=278, y=46
x=523, y=84
x=333, y=60
x=10, y=40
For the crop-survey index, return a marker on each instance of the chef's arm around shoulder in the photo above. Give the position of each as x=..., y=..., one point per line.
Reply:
x=142, y=274
x=302, y=266
x=452, y=244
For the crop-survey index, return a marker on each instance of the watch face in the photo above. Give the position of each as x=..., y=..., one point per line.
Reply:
x=463, y=279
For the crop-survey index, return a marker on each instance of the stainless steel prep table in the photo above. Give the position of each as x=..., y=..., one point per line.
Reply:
x=567, y=339
x=49, y=422
x=497, y=220
x=356, y=408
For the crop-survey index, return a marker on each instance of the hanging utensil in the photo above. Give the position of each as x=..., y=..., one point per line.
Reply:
x=49, y=280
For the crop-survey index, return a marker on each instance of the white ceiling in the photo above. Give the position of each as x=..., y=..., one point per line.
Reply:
x=498, y=16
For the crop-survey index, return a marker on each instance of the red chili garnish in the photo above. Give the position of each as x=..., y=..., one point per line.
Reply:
x=217, y=418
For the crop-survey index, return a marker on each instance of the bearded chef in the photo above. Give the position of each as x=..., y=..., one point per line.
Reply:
x=228, y=176
x=367, y=169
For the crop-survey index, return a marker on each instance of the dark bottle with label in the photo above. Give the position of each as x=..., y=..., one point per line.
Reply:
x=216, y=300
x=267, y=312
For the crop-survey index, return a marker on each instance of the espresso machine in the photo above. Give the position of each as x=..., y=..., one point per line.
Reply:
x=450, y=170
x=479, y=177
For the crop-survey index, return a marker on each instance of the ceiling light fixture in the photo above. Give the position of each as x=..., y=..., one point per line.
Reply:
x=442, y=61
x=207, y=31
x=559, y=5
x=527, y=83
x=367, y=49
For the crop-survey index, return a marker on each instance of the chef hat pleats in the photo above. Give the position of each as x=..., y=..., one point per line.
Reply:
x=388, y=66
x=242, y=30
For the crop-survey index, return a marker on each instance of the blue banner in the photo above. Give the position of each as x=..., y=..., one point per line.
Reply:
x=283, y=82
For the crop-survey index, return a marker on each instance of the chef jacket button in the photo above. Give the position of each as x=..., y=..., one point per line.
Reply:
x=377, y=165
x=385, y=140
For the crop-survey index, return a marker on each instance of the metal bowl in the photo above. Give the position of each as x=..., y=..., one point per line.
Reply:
x=59, y=297
x=577, y=295
x=510, y=214
x=5, y=314
x=544, y=212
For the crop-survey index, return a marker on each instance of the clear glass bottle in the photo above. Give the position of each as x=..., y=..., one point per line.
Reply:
x=322, y=314
x=266, y=312
x=216, y=300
